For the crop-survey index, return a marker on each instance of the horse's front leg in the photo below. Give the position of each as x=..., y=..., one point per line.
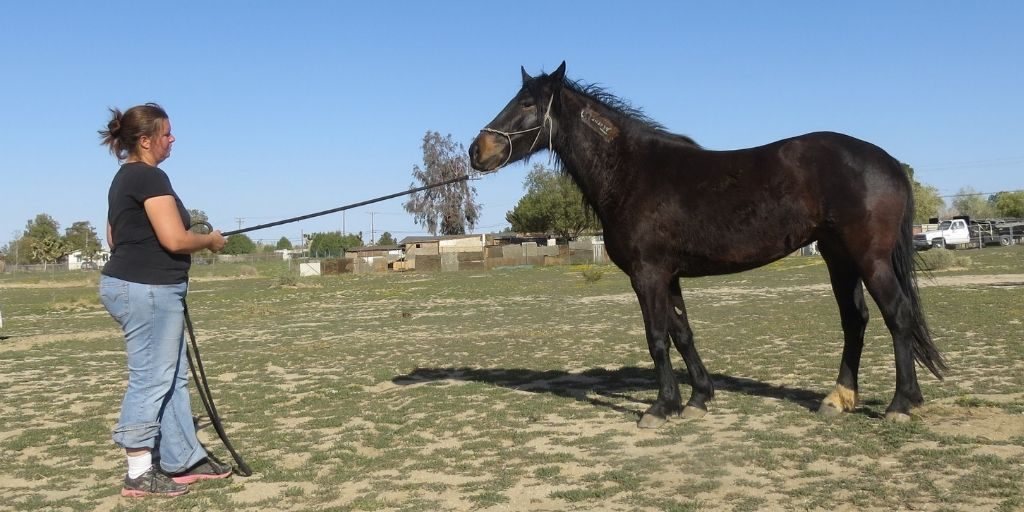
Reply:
x=655, y=304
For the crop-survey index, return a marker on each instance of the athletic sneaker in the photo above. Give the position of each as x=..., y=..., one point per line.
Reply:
x=152, y=483
x=208, y=469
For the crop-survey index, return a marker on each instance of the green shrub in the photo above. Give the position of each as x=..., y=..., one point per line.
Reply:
x=592, y=273
x=943, y=259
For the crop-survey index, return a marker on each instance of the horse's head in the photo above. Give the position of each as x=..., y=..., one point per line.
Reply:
x=517, y=130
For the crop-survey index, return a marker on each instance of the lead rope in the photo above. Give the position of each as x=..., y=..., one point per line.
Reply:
x=203, y=389
x=199, y=373
x=547, y=121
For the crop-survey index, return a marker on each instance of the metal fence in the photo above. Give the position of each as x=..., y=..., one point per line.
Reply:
x=49, y=268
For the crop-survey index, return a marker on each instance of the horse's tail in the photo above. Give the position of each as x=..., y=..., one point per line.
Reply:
x=925, y=350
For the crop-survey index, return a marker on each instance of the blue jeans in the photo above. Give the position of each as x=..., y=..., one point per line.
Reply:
x=156, y=412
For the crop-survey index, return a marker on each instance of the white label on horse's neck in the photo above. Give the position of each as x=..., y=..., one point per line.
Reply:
x=600, y=124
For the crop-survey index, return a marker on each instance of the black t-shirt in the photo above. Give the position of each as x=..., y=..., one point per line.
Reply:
x=138, y=256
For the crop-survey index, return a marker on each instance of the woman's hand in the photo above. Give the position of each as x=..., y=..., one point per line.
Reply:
x=217, y=241
x=171, y=233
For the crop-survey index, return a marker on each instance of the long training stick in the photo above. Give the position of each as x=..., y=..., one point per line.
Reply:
x=347, y=207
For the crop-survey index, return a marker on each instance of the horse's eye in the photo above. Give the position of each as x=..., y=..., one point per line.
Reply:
x=528, y=105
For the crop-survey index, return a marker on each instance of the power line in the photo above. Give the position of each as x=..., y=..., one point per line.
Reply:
x=984, y=193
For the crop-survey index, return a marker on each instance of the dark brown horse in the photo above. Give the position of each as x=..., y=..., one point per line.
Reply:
x=672, y=209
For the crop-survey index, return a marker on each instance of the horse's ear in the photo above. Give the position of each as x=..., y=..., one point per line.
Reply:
x=526, y=76
x=559, y=73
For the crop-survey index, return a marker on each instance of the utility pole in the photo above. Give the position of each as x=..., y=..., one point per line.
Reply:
x=240, y=221
x=371, y=214
x=17, y=242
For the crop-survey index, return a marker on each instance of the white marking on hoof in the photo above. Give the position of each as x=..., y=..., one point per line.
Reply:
x=897, y=417
x=693, y=413
x=651, y=421
x=827, y=409
x=842, y=398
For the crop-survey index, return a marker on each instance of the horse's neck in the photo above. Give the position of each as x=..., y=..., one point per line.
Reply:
x=587, y=141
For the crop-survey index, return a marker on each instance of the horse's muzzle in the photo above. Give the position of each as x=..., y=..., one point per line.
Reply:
x=487, y=152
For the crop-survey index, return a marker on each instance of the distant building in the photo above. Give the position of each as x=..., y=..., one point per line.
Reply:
x=76, y=261
x=376, y=258
x=432, y=249
x=287, y=254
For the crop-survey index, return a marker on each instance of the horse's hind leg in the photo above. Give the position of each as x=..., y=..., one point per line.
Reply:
x=702, y=389
x=897, y=310
x=853, y=314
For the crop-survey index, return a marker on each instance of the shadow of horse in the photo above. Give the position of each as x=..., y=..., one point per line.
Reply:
x=603, y=388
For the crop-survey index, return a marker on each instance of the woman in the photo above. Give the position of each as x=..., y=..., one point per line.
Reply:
x=143, y=287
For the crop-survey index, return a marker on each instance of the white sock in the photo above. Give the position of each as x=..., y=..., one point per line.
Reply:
x=139, y=464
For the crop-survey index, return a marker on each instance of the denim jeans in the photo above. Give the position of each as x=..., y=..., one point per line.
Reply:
x=156, y=412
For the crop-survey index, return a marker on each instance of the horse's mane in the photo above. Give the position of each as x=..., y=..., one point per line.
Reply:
x=624, y=108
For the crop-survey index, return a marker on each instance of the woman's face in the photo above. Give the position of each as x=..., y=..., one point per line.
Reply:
x=155, y=149
x=160, y=147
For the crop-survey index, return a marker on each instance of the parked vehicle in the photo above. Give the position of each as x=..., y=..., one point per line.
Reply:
x=948, y=233
x=963, y=232
x=998, y=231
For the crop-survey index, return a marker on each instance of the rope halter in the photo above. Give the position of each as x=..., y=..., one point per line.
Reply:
x=547, y=121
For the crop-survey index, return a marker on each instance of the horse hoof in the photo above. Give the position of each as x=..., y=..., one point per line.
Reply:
x=693, y=413
x=829, y=410
x=897, y=417
x=650, y=421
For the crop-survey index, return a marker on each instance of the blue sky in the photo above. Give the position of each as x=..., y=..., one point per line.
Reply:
x=286, y=108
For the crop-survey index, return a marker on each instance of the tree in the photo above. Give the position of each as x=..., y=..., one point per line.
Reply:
x=39, y=243
x=552, y=204
x=452, y=208
x=284, y=244
x=1009, y=204
x=43, y=226
x=969, y=202
x=333, y=243
x=386, y=239
x=19, y=250
x=927, y=203
x=198, y=216
x=48, y=249
x=239, y=244
x=81, y=236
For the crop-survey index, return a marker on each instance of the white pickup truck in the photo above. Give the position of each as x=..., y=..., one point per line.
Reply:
x=949, y=233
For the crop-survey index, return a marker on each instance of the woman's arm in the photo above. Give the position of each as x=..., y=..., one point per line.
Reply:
x=163, y=215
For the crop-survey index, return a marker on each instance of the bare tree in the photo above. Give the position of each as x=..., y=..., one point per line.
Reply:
x=452, y=208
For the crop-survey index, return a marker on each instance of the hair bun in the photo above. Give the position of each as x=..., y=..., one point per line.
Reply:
x=114, y=126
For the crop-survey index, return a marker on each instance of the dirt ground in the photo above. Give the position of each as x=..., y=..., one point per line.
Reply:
x=991, y=425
